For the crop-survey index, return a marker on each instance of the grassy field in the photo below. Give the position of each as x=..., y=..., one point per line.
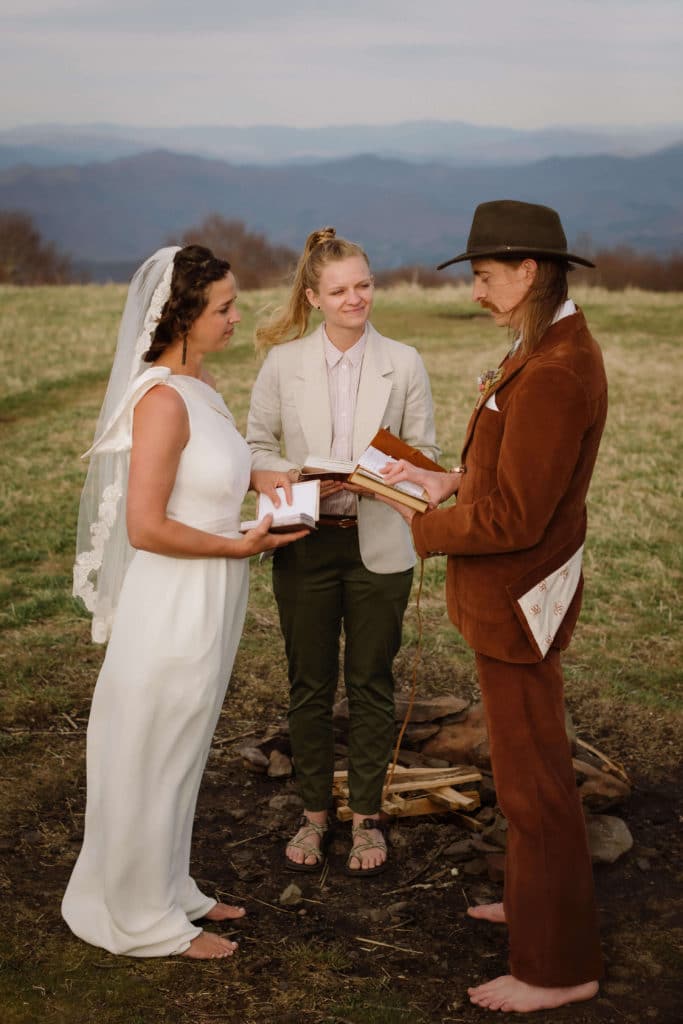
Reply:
x=623, y=670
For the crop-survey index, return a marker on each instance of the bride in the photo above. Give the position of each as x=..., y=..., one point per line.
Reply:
x=163, y=568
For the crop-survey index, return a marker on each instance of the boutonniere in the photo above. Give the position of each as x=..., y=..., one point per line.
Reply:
x=486, y=381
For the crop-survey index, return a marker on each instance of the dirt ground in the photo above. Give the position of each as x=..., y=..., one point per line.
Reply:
x=390, y=949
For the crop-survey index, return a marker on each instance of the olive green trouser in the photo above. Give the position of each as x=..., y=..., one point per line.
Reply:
x=320, y=582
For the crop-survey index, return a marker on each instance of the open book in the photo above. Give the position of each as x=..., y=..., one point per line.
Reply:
x=318, y=467
x=303, y=513
x=384, y=449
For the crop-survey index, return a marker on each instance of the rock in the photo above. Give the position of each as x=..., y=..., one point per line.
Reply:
x=286, y=802
x=461, y=850
x=238, y=813
x=482, y=844
x=291, y=896
x=254, y=759
x=416, y=732
x=463, y=742
x=608, y=838
x=396, y=909
x=376, y=914
x=497, y=834
x=413, y=759
x=279, y=765
x=474, y=867
x=487, y=790
x=599, y=790
x=643, y=863
x=495, y=866
x=487, y=815
x=428, y=709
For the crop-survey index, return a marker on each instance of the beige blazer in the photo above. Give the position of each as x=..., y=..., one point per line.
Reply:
x=290, y=418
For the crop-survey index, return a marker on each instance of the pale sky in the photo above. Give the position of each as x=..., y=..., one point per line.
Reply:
x=519, y=63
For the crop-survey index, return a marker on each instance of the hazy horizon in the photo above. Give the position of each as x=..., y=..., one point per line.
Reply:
x=609, y=65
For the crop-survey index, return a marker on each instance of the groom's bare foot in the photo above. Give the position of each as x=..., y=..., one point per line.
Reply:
x=224, y=912
x=207, y=946
x=488, y=912
x=512, y=996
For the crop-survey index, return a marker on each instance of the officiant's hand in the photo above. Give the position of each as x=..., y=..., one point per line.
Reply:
x=437, y=486
x=362, y=492
x=265, y=481
x=330, y=487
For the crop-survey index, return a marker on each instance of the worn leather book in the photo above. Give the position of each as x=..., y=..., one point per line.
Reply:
x=384, y=448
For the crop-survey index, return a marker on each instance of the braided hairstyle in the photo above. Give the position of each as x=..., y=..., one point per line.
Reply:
x=291, y=321
x=194, y=268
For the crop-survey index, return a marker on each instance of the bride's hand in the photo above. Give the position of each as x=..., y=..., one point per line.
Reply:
x=437, y=486
x=259, y=539
x=266, y=481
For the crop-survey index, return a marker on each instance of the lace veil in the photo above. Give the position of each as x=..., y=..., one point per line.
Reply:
x=102, y=548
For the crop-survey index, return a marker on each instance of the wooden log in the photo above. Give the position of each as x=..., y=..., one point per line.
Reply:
x=468, y=772
x=450, y=798
x=429, y=773
x=471, y=823
x=407, y=781
x=427, y=785
x=418, y=805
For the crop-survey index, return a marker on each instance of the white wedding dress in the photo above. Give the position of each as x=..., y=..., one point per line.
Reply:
x=157, y=701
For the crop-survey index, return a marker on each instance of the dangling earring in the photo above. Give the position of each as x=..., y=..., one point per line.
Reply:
x=184, y=350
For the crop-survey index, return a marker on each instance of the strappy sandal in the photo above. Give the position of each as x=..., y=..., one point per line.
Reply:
x=361, y=844
x=324, y=833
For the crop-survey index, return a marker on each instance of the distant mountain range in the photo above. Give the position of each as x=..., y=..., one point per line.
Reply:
x=116, y=211
x=450, y=142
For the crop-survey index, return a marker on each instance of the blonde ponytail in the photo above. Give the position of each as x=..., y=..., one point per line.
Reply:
x=291, y=320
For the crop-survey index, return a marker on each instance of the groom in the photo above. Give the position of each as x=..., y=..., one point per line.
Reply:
x=514, y=541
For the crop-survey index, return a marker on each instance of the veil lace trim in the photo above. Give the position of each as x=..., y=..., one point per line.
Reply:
x=90, y=561
x=103, y=551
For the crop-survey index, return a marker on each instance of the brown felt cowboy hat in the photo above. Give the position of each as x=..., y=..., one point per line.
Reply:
x=507, y=229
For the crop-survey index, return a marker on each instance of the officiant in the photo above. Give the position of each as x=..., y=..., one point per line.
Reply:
x=327, y=393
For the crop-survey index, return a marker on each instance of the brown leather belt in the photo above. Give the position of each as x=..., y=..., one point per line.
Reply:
x=343, y=522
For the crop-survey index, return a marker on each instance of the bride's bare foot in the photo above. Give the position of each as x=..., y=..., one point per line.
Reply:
x=512, y=996
x=207, y=946
x=488, y=912
x=224, y=912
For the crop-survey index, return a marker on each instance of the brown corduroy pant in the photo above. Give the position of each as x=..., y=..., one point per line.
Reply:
x=548, y=892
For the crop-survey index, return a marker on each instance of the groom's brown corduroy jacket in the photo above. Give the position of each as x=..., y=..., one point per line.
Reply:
x=521, y=507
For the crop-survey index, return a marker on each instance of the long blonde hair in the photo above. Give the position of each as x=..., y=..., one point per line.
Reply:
x=291, y=320
x=539, y=306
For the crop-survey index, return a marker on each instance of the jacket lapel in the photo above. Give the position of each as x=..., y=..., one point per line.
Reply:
x=373, y=391
x=313, y=397
x=510, y=370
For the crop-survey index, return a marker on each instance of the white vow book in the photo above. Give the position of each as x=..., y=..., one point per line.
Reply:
x=303, y=513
